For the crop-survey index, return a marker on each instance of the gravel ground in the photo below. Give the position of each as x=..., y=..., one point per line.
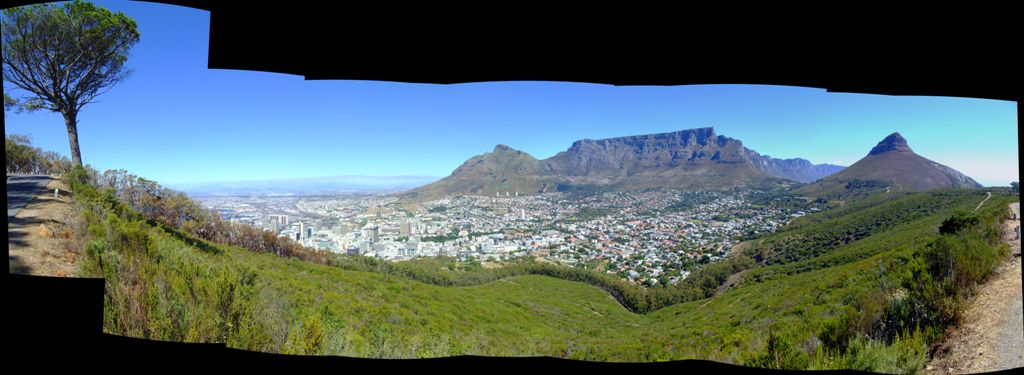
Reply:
x=38, y=235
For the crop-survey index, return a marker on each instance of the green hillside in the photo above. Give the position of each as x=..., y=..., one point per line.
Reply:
x=851, y=305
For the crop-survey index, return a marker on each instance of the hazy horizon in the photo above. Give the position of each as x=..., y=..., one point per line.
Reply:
x=320, y=183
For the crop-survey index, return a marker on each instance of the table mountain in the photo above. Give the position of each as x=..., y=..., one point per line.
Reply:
x=692, y=159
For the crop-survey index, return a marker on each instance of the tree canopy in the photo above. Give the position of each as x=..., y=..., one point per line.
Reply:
x=64, y=56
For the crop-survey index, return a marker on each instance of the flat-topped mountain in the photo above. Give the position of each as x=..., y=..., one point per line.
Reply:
x=693, y=159
x=893, y=163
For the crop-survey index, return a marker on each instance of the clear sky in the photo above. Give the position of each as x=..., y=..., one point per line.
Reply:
x=175, y=121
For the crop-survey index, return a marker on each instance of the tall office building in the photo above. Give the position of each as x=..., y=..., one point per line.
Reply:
x=302, y=230
x=272, y=224
x=282, y=220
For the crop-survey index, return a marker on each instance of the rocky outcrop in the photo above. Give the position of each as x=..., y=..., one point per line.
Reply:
x=893, y=143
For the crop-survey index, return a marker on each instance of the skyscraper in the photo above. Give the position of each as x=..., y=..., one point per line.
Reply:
x=302, y=230
x=282, y=220
x=272, y=224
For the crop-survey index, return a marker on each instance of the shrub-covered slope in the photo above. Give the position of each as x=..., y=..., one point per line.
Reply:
x=873, y=303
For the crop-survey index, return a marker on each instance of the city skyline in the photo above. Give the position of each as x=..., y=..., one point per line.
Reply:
x=177, y=122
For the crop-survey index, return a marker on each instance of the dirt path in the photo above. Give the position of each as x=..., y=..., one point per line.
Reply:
x=39, y=234
x=983, y=201
x=990, y=336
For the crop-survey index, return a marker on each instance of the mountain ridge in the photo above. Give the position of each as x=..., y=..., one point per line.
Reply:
x=691, y=158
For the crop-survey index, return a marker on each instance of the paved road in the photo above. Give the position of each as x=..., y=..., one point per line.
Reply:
x=20, y=190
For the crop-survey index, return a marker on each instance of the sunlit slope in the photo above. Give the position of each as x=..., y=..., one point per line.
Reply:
x=174, y=291
x=386, y=316
x=814, y=235
x=795, y=299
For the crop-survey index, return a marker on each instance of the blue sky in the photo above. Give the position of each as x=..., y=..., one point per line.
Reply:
x=177, y=122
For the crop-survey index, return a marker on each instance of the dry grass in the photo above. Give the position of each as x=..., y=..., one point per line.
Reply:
x=44, y=232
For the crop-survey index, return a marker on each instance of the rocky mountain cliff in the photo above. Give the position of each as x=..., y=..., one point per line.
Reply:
x=793, y=169
x=892, y=163
x=693, y=159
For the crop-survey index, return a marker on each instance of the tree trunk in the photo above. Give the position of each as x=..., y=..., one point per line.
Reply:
x=71, y=120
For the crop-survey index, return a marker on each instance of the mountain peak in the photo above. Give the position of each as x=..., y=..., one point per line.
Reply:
x=892, y=163
x=894, y=142
x=503, y=148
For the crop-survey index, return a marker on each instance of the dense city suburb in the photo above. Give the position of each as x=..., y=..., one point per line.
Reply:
x=648, y=237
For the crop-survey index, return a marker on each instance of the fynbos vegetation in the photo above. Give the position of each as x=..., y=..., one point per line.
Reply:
x=177, y=272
